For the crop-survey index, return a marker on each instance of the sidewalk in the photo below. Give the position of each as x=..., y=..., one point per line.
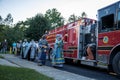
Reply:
x=49, y=71
x=5, y=62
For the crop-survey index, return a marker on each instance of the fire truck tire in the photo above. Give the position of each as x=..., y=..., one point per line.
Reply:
x=68, y=60
x=116, y=63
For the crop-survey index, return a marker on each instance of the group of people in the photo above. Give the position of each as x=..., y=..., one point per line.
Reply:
x=34, y=50
x=38, y=50
x=16, y=47
x=57, y=54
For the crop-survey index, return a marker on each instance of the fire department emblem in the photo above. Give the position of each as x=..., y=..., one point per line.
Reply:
x=105, y=39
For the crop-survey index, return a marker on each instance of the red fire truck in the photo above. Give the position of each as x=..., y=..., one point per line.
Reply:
x=104, y=33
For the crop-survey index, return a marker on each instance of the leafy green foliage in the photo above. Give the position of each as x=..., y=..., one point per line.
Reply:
x=19, y=30
x=83, y=15
x=54, y=17
x=1, y=57
x=1, y=32
x=1, y=19
x=32, y=28
x=36, y=27
x=12, y=34
x=5, y=28
x=8, y=20
x=73, y=18
x=15, y=73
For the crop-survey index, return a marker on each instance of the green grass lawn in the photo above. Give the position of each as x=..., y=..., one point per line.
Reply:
x=1, y=57
x=15, y=73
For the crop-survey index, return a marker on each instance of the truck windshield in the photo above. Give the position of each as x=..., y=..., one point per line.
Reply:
x=119, y=19
x=107, y=22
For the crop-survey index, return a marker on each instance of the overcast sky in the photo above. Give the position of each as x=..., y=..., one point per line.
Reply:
x=22, y=9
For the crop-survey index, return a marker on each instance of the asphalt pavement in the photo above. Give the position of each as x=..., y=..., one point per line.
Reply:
x=12, y=60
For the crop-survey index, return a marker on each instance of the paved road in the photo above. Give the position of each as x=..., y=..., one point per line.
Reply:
x=91, y=72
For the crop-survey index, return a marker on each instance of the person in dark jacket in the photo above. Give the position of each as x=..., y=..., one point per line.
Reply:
x=4, y=46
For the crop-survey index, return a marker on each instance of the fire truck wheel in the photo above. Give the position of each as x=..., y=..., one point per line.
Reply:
x=116, y=63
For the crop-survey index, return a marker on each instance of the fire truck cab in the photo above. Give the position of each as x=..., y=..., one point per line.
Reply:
x=108, y=49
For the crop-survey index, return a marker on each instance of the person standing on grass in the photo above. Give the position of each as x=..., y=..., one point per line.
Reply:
x=57, y=55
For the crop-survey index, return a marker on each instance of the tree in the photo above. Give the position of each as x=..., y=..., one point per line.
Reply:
x=20, y=28
x=54, y=17
x=5, y=26
x=36, y=26
x=1, y=20
x=83, y=15
x=72, y=18
x=2, y=36
x=8, y=20
x=11, y=33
